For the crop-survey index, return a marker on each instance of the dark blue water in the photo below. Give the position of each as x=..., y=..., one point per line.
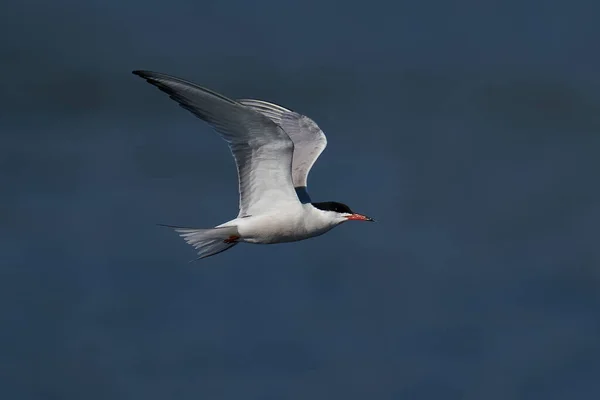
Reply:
x=469, y=130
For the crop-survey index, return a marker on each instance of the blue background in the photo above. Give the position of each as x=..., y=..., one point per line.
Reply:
x=469, y=130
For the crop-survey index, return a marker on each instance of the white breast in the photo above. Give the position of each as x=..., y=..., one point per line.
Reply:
x=288, y=225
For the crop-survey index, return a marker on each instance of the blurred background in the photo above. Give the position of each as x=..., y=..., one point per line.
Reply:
x=468, y=129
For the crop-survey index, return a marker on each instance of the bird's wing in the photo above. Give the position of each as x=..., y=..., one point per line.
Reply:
x=309, y=140
x=262, y=150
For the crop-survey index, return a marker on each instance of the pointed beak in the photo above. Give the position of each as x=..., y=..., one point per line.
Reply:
x=359, y=217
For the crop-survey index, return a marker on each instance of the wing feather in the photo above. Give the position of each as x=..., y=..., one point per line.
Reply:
x=263, y=151
x=309, y=140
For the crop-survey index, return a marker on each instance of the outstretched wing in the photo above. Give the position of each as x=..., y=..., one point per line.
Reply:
x=262, y=150
x=309, y=140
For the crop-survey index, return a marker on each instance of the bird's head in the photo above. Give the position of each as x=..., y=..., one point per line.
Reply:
x=339, y=212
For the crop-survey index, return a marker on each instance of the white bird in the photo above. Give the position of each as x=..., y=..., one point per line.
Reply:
x=274, y=149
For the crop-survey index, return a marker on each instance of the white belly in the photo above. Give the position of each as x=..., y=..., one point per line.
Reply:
x=280, y=227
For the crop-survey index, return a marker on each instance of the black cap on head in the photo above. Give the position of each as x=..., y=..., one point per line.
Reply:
x=333, y=206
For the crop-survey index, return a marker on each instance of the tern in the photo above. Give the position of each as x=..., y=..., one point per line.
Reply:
x=274, y=149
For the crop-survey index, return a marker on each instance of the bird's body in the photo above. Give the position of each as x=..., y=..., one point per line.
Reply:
x=286, y=225
x=274, y=149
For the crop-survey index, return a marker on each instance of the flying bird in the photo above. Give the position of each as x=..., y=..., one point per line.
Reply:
x=274, y=149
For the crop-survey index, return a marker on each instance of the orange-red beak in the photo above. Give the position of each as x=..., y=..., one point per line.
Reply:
x=358, y=217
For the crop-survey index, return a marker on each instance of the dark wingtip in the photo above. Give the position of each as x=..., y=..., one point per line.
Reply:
x=147, y=75
x=141, y=73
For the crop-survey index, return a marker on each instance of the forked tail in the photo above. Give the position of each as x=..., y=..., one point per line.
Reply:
x=210, y=241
